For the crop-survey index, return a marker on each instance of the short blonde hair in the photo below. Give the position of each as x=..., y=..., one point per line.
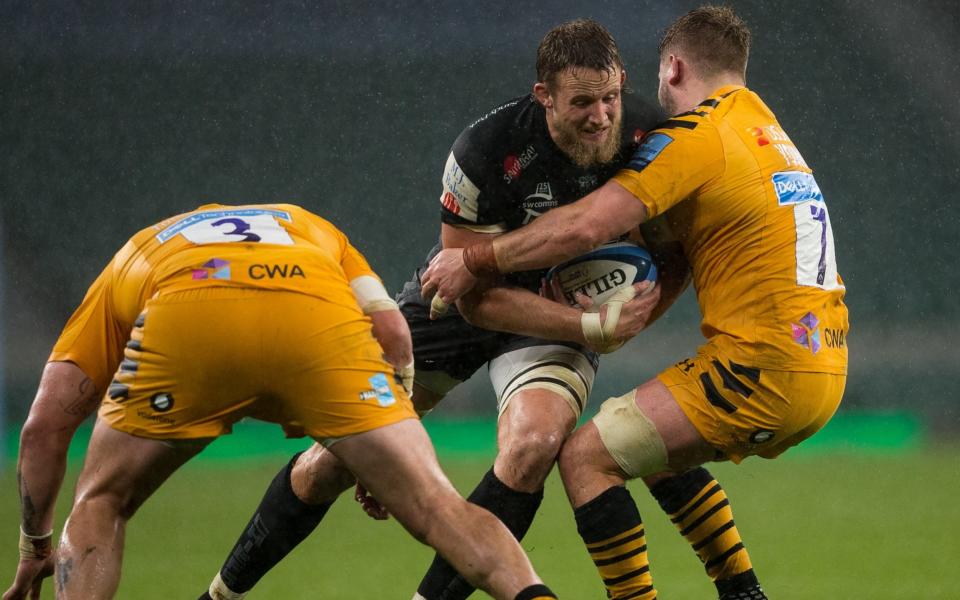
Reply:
x=713, y=38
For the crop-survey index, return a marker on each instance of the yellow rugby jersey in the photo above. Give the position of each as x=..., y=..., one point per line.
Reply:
x=274, y=247
x=755, y=228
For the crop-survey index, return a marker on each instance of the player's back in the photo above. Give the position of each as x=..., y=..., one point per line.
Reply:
x=272, y=247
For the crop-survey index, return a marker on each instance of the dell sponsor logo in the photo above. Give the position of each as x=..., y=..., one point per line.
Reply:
x=794, y=187
x=275, y=271
x=791, y=186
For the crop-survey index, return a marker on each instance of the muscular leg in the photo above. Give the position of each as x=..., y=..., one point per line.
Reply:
x=530, y=432
x=399, y=467
x=607, y=518
x=120, y=472
x=292, y=507
x=695, y=502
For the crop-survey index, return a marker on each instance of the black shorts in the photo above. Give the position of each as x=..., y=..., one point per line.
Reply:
x=452, y=345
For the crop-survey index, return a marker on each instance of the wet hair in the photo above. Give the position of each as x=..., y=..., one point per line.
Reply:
x=579, y=43
x=713, y=38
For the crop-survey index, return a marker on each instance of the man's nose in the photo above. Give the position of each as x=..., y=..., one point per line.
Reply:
x=598, y=113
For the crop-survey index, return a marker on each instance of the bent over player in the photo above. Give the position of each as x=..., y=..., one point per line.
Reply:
x=523, y=158
x=212, y=316
x=755, y=228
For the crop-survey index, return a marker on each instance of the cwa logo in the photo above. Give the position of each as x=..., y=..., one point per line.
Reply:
x=275, y=272
x=215, y=268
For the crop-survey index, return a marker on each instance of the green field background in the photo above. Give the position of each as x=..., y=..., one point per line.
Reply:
x=866, y=509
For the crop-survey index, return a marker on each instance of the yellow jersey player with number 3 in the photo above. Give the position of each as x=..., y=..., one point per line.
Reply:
x=170, y=288
x=225, y=312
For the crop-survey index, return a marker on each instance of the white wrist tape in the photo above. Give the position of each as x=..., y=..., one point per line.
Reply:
x=371, y=295
x=33, y=547
x=599, y=333
x=407, y=375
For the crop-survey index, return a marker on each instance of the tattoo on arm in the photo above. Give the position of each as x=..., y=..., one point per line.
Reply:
x=84, y=402
x=27, y=507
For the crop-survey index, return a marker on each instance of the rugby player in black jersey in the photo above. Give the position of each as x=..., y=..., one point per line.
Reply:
x=533, y=153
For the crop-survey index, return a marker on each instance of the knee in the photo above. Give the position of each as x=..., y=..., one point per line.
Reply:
x=571, y=457
x=528, y=455
x=318, y=476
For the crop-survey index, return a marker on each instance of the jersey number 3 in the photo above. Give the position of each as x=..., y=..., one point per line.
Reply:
x=262, y=228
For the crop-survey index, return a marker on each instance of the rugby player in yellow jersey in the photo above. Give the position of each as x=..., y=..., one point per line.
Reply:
x=262, y=311
x=755, y=229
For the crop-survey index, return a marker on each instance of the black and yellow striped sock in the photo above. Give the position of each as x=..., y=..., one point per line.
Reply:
x=611, y=527
x=699, y=508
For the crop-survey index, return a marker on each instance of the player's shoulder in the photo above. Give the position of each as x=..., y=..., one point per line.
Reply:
x=496, y=127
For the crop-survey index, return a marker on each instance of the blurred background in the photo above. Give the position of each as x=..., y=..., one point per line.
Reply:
x=115, y=114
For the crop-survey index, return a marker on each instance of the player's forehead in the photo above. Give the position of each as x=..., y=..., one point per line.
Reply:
x=583, y=81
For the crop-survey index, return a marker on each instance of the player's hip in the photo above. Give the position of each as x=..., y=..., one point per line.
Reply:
x=743, y=410
x=199, y=360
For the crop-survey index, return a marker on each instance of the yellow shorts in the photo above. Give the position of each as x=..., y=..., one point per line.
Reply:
x=743, y=411
x=200, y=360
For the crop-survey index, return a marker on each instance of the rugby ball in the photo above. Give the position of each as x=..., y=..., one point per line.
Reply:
x=601, y=272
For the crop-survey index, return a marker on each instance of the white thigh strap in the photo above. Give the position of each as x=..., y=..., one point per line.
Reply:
x=630, y=438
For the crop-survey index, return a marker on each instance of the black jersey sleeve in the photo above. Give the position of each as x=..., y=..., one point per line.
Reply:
x=640, y=115
x=472, y=174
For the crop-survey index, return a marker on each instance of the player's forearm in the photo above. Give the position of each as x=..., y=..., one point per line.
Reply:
x=40, y=470
x=392, y=332
x=65, y=398
x=515, y=310
x=560, y=234
x=551, y=239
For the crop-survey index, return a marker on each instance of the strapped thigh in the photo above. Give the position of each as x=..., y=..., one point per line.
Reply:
x=630, y=437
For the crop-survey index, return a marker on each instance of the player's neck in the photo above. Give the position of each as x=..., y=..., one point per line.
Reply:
x=699, y=90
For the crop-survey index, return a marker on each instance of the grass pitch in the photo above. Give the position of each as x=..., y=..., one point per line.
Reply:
x=845, y=526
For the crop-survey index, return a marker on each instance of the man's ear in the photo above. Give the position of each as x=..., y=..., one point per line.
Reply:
x=678, y=70
x=542, y=94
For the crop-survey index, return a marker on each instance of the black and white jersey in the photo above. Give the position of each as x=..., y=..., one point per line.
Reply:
x=503, y=171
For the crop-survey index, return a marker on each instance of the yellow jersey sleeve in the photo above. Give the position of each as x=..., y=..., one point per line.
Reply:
x=674, y=160
x=354, y=264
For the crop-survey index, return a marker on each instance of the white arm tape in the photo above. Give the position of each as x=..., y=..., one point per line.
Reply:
x=600, y=334
x=371, y=295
